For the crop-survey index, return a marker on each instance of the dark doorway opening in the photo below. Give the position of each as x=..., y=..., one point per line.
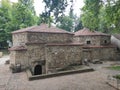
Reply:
x=38, y=70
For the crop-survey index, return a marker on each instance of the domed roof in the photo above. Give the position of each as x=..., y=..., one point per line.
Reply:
x=86, y=32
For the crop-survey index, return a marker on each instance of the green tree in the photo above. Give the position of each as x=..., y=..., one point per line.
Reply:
x=112, y=9
x=5, y=19
x=90, y=16
x=23, y=15
x=14, y=16
x=66, y=23
x=54, y=9
x=78, y=25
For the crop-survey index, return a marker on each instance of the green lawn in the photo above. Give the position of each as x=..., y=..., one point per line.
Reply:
x=114, y=67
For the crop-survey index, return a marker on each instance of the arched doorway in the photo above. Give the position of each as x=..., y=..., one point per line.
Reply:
x=38, y=70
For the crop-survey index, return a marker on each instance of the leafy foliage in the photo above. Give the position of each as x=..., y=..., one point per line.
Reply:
x=103, y=15
x=90, y=16
x=66, y=23
x=113, y=14
x=23, y=15
x=54, y=8
x=14, y=16
x=5, y=19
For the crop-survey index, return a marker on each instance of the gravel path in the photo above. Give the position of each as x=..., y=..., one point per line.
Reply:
x=95, y=80
x=3, y=59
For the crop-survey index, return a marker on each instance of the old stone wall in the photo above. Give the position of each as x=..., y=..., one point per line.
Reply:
x=94, y=40
x=19, y=39
x=12, y=57
x=87, y=54
x=50, y=37
x=22, y=58
x=29, y=58
x=36, y=52
x=19, y=57
x=117, y=55
x=105, y=40
x=107, y=53
x=36, y=55
x=58, y=57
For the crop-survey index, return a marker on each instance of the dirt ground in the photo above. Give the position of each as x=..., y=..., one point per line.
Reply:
x=95, y=80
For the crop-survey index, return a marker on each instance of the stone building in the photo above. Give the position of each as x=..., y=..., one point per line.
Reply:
x=97, y=45
x=44, y=49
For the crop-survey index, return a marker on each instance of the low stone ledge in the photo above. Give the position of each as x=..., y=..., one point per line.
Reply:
x=36, y=77
x=114, y=82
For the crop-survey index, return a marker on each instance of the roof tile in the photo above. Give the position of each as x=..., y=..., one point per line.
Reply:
x=43, y=28
x=86, y=32
x=17, y=48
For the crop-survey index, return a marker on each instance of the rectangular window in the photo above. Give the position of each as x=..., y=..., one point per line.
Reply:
x=105, y=41
x=88, y=42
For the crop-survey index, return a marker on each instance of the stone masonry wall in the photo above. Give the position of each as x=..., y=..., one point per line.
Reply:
x=58, y=57
x=108, y=53
x=95, y=40
x=22, y=58
x=19, y=39
x=100, y=54
x=35, y=52
x=12, y=57
x=36, y=56
x=19, y=57
x=105, y=40
x=50, y=37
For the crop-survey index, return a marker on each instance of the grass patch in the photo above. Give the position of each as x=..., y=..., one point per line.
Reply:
x=114, y=67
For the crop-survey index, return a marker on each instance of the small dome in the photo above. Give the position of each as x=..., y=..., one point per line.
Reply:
x=86, y=32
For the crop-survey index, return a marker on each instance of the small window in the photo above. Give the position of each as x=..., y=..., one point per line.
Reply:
x=88, y=42
x=105, y=41
x=118, y=49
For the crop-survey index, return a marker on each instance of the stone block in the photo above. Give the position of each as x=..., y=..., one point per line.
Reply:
x=1, y=54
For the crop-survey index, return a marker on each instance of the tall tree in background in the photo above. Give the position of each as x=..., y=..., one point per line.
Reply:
x=90, y=16
x=5, y=19
x=28, y=4
x=103, y=22
x=103, y=15
x=79, y=24
x=112, y=9
x=23, y=14
x=66, y=23
x=55, y=9
x=14, y=16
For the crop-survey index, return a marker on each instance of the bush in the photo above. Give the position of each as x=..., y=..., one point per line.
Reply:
x=117, y=76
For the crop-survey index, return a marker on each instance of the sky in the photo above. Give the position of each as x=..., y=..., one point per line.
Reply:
x=39, y=6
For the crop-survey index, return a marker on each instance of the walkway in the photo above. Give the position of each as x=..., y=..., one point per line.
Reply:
x=86, y=81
